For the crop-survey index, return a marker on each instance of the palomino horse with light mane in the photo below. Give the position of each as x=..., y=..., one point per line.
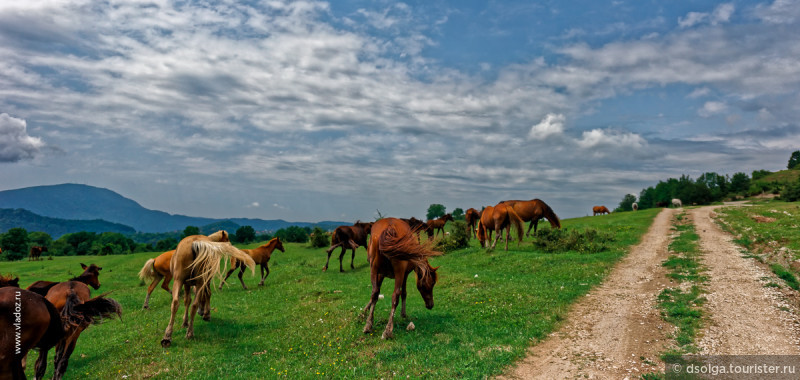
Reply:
x=533, y=211
x=472, y=216
x=261, y=256
x=498, y=218
x=600, y=210
x=155, y=270
x=436, y=225
x=348, y=237
x=394, y=253
x=195, y=262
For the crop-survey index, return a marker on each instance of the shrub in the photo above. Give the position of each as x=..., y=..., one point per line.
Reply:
x=457, y=239
x=562, y=240
x=319, y=238
x=791, y=192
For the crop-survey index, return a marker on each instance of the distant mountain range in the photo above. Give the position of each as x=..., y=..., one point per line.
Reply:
x=70, y=205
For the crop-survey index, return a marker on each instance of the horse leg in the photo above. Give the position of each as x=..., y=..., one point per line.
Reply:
x=377, y=280
x=41, y=364
x=398, y=289
x=150, y=291
x=341, y=258
x=496, y=238
x=198, y=298
x=176, y=290
x=241, y=273
x=165, y=283
x=62, y=359
x=403, y=299
x=205, y=306
x=329, y=251
x=264, y=273
x=353, y=258
x=508, y=233
x=187, y=303
x=226, y=277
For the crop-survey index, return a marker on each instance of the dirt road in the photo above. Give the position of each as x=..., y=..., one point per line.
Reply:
x=616, y=332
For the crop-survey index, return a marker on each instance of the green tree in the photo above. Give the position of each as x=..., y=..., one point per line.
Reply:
x=740, y=183
x=14, y=243
x=190, y=230
x=167, y=244
x=647, y=198
x=319, y=238
x=435, y=210
x=40, y=238
x=458, y=214
x=758, y=174
x=627, y=202
x=794, y=160
x=293, y=234
x=245, y=234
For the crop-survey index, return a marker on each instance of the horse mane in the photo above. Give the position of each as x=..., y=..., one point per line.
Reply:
x=207, y=259
x=405, y=247
x=551, y=216
x=9, y=280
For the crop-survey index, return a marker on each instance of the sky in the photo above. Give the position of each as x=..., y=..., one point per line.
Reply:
x=311, y=111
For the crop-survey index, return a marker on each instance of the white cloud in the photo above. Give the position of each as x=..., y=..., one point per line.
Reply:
x=699, y=92
x=611, y=138
x=712, y=108
x=691, y=19
x=15, y=143
x=721, y=14
x=779, y=12
x=551, y=125
x=254, y=205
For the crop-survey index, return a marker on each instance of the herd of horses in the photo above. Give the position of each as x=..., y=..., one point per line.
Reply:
x=394, y=250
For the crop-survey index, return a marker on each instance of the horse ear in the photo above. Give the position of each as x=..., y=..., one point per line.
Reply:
x=435, y=268
x=99, y=268
x=83, y=265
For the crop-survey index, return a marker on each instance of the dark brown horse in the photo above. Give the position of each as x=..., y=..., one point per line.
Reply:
x=502, y=217
x=348, y=237
x=36, y=253
x=89, y=277
x=261, y=256
x=436, y=225
x=195, y=263
x=27, y=321
x=417, y=226
x=532, y=211
x=78, y=311
x=394, y=253
x=472, y=217
x=155, y=270
x=600, y=210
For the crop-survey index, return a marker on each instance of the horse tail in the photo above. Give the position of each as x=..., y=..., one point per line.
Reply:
x=517, y=222
x=207, y=259
x=148, y=271
x=550, y=215
x=93, y=311
x=405, y=247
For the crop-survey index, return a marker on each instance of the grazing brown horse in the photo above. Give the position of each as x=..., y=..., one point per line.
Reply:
x=532, y=211
x=394, y=253
x=40, y=326
x=36, y=253
x=348, y=237
x=155, y=270
x=261, y=256
x=89, y=277
x=502, y=217
x=195, y=262
x=600, y=210
x=472, y=217
x=436, y=225
x=485, y=225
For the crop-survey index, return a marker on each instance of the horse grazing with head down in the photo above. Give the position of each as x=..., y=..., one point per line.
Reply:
x=532, y=211
x=155, y=270
x=600, y=210
x=677, y=203
x=36, y=253
x=261, y=256
x=436, y=225
x=498, y=218
x=196, y=261
x=348, y=237
x=90, y=276
x=472, y=216
x=394, y=253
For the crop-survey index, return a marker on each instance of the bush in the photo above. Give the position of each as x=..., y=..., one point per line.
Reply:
x=319, y=238
x=458, y=238
x=791, y=192
x=563, y=240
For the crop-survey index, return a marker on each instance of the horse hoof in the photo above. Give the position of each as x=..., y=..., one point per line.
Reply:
x=367, y=329
x=166, y=343
x=325, y=269
x=387, y=335
x=261, y=284
x=207, y=317
x=145, y=307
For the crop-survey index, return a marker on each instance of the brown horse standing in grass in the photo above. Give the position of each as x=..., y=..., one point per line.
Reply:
x=502, y=217
x=90, y=276
x=600, y=210
x=261, y=256
x=485, y=225
x=532, y=211
x=36, y=253
x=436, y=225
x=348, y=237
x=155, y=270
x=472, y=217
x=78, y=311
x=394, y=253
x=196, y=261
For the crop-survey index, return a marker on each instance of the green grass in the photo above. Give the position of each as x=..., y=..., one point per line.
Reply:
x=490, y=306
x=761, y=236
x=786, y=276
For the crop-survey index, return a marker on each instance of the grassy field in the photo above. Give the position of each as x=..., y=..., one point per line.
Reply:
x=768, y=228
x=490, y=306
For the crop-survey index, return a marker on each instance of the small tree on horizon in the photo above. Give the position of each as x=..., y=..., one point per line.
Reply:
x=627, y=203
x=794, y=160
x=190, y=230
x=435, y=210
x=458, y=214
x=245, y=234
